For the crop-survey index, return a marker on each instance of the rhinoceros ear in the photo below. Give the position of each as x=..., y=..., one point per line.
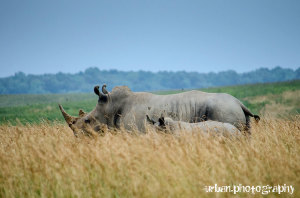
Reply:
x=81, y=113
x=96, y=90
x=102, y=97
x=104, y=89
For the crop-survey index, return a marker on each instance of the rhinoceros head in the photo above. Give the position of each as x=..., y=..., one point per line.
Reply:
x=108, y=111
x=84, y=123
x=88, y=123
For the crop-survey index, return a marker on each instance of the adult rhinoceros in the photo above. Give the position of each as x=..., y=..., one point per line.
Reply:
x=124, y=108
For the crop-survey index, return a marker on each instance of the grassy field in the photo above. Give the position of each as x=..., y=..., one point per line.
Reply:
x=278, y=99
x=37, y=108
x=46, y=160
x=40, y=157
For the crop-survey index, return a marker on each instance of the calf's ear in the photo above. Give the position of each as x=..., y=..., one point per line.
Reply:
x=150, y=120
x=161, y=121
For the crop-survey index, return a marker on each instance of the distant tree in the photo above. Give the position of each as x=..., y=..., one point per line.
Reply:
x=297, y=75
x=137, y=81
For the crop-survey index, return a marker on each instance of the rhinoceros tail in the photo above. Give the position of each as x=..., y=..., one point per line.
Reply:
x=248, y=112
x=257, y=118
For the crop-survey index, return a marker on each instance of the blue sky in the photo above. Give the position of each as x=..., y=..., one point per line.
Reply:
x=69, y=36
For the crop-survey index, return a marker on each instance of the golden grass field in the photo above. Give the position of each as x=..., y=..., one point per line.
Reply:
x=46, y=160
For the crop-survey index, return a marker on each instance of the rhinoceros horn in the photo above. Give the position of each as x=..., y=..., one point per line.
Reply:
x=69, y=119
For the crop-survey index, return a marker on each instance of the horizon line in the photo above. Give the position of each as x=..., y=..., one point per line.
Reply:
x=140, y=70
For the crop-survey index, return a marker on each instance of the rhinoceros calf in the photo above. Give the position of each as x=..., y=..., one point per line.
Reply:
x=124, y=108
x=168, y=124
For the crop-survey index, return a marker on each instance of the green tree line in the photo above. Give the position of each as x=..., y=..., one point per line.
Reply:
x=138, y=80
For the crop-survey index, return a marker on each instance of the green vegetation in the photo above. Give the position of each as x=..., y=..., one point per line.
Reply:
x=257, y=89
x=137, y=81
x=242, y=91
x=35, y=108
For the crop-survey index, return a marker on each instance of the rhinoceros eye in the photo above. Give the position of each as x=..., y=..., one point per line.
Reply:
x=87, y=121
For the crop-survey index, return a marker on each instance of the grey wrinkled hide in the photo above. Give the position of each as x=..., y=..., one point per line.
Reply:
x=124, y=108
x=176, y=127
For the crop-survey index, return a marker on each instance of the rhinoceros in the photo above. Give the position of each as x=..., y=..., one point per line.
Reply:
x=123, y=108
x=169, y=125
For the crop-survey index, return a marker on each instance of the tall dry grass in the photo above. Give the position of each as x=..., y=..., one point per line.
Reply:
x=46, y=160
